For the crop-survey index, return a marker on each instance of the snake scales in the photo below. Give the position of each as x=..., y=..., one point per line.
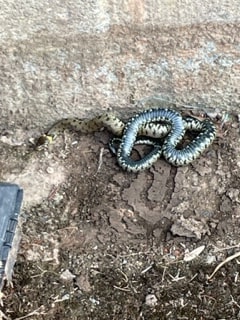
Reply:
x=140, y=129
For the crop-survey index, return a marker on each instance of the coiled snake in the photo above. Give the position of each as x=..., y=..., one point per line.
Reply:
x=140, y=129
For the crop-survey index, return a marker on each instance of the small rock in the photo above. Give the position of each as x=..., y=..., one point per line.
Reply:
x=67, y=275
x=151, y=300
x=210, y=259
x=233, y=194
x=50, y=170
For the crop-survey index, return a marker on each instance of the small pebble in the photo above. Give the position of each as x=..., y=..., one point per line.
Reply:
x=210, y=259
x=50, y=170
x=151, y=300
x=67, y=275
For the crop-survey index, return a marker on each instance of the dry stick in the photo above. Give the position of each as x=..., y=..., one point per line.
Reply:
x=3, y=316
x=226, y=248
x=222, y=263
x=33, y=313
x=100, y=161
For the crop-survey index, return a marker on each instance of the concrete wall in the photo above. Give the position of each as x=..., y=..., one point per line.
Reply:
x=77, y=57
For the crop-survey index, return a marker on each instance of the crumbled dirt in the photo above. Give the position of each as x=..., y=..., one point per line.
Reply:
x=106, y=244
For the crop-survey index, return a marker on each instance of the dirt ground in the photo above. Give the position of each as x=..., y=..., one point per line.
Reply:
x=106, y=244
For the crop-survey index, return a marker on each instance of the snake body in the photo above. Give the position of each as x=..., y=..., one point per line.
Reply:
x=131, y=131
x=151, y=123
x=107, y=120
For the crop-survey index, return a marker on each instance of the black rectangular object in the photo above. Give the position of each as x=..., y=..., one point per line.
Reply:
x=11, y=197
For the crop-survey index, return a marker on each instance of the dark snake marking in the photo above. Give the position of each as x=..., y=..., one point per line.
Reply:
x=178, y=126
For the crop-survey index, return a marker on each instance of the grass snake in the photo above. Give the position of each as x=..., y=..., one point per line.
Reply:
x=146, y=127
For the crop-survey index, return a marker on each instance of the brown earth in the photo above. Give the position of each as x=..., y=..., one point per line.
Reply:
x=106, y=244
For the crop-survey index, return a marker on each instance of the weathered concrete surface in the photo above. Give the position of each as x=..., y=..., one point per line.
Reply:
x=61, y=58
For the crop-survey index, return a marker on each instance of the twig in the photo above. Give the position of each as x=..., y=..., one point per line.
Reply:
x=222, y=263
x=216, y=249
x=148, y=268
x=234, y=302
x=122, y=289
x=100, y=161
x=3, y=316
x=34, y=312
x=177, y=278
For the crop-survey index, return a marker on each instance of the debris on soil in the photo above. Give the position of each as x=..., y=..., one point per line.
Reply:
x=106, y=244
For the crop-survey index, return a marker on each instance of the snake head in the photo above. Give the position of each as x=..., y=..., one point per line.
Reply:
x=43, y=142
